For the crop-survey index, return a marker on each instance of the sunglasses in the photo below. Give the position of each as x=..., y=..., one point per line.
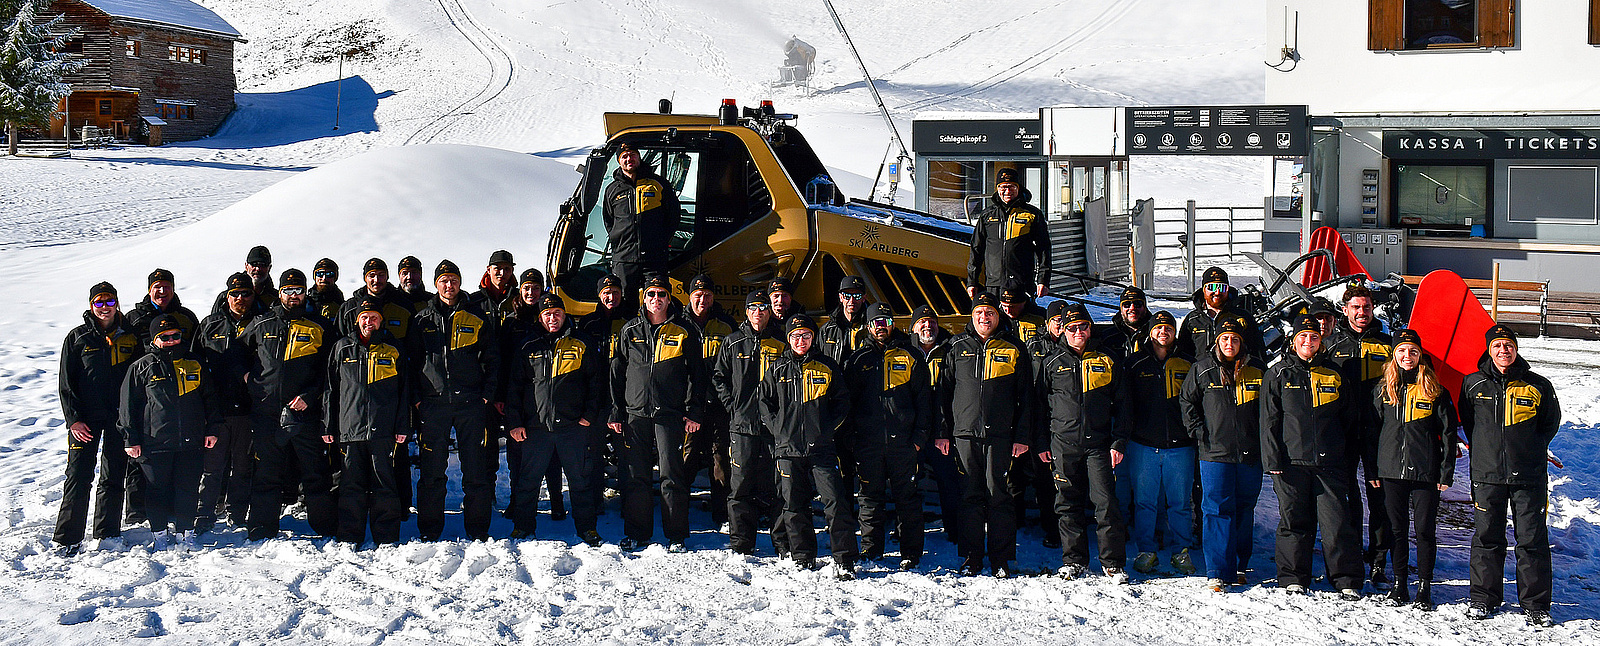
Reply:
x=655, y=294
x=259, y=265
x=105, y=303
x=292, y=291
x=324, y=274
x=762, y=307
x=1216, y=287
x=1078, y=327
x=854, y=296
x=170, y=336
x=801, y=336
x=240, y=293
x=882, y=322
x=1128, y=304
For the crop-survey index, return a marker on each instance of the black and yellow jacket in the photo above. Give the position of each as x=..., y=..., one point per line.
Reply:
x=1009, y=242
x=1416, y=437
x=1509, y=420
x=987, y=389
x=659, y=371
x=1148, y=402
x=453, y=353
x=1028, y=325
x=1361, y=357
x=367, y=396
x=145, y=311
x=1223, y=420
x=1305, y=414
x=397, y=311
x=516, y=329
x=804, y=400
x=216, y=341
x=168, y=402
x=640, y=215
x=840, y=336
x=1121, y=339
x=1077, y=395
x=555, y=380
x=604, y=326
x=286, y=356
x=325, y=303
x=93, y=364
x=741, y=362
x=1195, y=334
x=891, y=394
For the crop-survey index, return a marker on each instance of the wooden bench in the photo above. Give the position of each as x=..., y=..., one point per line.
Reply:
x=1526, y=301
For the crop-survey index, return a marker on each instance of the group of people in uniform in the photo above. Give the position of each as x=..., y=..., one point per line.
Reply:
x=1145, y=429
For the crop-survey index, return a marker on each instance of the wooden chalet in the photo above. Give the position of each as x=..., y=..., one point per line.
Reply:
x=155, y=70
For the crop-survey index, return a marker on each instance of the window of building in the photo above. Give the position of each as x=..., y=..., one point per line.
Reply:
x=185, y=54
x=105, y=107
x=132, y=48
x=952, y=184
x=73, y=46
x=174, y=111
x=1443, y=197
x=1440, y=24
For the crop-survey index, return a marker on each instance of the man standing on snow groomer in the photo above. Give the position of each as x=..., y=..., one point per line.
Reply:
x=640, y=209
x=1009, y=241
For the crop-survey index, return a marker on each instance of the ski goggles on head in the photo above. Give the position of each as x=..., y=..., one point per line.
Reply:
x=293, y=291
x=1216, y=287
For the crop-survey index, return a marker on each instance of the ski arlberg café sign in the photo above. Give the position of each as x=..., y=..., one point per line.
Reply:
x=1491, y=144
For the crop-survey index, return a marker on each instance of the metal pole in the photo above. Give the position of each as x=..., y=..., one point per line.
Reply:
x=1494, y=294
x=338, y=92
x=894, y=130
x=1188, y=216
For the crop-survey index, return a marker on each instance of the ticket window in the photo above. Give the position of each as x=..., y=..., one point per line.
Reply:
x=957, y=188
x=1079, y=181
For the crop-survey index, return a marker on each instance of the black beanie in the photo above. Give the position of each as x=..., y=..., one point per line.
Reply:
x=783, y=284
x=158, y=276
x=326, y=264
x=100, y=288
x=1014, y=292
x=374, y=264
x=292, y=277
x=1305, y=323
x=164, y=323
x=985, y=299
x=369, y=304
x=1075, y=313
x=550, y=301
x=1213, y=275
x=1163, y=318
x=241, y=280
x=1499, y=331
x=446, y=267
x=799, y=321
x=531, y=275
x=1006, y=175
x=757, y=297
x=1132, y=295
x=1057, y=308
x=259, y=255
x=1228, y=326
x=608, y=280
x=924, y=312
x=658, y=281
x=1407, y=335
x=702, y=281
x=410, y=262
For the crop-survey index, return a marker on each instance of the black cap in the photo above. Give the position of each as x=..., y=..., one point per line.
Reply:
x=879, y=311
x=410, y=262
x=1407, y=335
x=369, y=304
x=1213, y=275
x=783, y=284
x=550, y=301
x=375, y=264
x=1228, y=326
x=702, y=281
x=985, y=299
x=608, y=280
x=1075, y=313
x=799, y=321
x=1305, y=323
x=1499, y=331
x=501, y=256
x=1320, y=307
x=923, y=312
x=1005, y=175
x=292, y=277
x=1056, y=308
x=158, y=276
x=852, y=284
x=326, y=264
x=757, y=297
x=625, y=148
x=164, y=323
x=1163, y=318
x=658, y=281
x=446, y=267
x=532, y=275
x=259, y=255
x=241, y=280
x=1132, y=294
x=102, y=288
x=1014, y=292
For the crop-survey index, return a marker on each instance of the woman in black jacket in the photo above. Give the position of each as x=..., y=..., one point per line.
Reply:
x=1220, y=404
x=1414, y=450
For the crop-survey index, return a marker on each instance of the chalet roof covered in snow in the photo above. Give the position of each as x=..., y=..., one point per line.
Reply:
x=177, y=13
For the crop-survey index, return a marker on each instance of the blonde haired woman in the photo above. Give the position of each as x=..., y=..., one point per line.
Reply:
x=1413, y=447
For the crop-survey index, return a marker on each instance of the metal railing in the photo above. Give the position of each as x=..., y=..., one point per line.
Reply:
x=1196, y=234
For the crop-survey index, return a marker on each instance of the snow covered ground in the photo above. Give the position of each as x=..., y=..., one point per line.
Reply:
x=514, y=90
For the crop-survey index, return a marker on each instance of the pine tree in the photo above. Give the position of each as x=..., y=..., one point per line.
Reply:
x=32, y=66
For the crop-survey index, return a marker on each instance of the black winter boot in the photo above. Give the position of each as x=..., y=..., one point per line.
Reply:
x=1424, y=600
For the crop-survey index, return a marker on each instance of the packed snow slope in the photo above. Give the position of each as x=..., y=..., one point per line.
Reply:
x=535, y=77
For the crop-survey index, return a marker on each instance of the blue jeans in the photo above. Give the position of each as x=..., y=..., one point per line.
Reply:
x=1229, y=504
x=1156, y=474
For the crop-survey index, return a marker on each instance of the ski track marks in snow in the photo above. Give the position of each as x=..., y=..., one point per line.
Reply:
x=502, y=70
